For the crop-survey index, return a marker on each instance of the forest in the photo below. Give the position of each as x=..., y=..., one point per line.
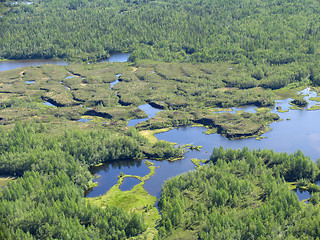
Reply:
x=192, y=60
x=46, y=201
x=272, y=31
x=242, y=194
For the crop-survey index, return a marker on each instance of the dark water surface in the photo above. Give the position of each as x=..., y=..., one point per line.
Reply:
x=108, y=174
x=129, y=183
x=300, y=132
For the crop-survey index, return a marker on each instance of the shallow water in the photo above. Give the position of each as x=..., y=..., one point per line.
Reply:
x=84, y=120
x=29, y=82
x=72, y=76
x=9, y=65
x=149, y=110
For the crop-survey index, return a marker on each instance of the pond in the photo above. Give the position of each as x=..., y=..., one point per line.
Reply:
x=116, y=57
x=9, y=65
x=302, y=194
x=49, y=104
x=300, y=132
x=129, y=183
x=108, y=174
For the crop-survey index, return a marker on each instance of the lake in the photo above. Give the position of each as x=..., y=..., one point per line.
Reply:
x=300, y=132
x=9, y=65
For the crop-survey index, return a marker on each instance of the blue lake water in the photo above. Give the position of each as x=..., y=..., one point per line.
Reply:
x=29, y=82
x=300, y=132
x=129, y=183
x=84, y=120
x=108, y=174
x=117, y=57
x=72, y=76
x=149, y=110
x=9, y=65
x=302, y=195
x=113, y=83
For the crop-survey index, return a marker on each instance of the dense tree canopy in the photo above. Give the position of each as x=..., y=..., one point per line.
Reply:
x=243, y=195
x=46, y=201
x=275, y=31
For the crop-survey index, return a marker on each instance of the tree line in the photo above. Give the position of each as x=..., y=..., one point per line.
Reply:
x=273, y=31
x=242, y=194
x=46, y=201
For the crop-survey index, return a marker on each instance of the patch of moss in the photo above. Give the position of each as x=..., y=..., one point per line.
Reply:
x=314, y=107
x=149, y=134
x=211, y=131
x=317, y=99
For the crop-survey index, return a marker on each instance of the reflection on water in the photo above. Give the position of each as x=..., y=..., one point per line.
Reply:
x=129, y=183
x=302, y=194
x=149, y=110
x=117, y=57
x=301, y=132
x=113, y=83
x=72, y=76
x=110, y=171
x=9, y=65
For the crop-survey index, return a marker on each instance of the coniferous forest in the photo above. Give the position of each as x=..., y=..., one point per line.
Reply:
x=188, y=58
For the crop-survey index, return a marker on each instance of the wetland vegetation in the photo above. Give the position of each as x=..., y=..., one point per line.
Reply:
x=222, y=65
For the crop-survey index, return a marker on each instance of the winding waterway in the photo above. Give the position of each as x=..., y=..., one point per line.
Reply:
x=298, y=129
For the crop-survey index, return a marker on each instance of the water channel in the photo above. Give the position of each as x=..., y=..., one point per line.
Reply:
x=298, y=129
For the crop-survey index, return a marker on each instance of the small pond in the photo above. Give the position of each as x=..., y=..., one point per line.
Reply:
x=49, y=104
x=302, y=194
x=29, y=82
x=84, y=120
x=108, y=174
x=129, y=183
x=72, y=76
x=116, y=57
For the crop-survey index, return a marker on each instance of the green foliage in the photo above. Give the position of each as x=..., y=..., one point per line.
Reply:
x=241, y=196
x=275, y=32
x=300, y=102
x=53, y=172
x=292, y=167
